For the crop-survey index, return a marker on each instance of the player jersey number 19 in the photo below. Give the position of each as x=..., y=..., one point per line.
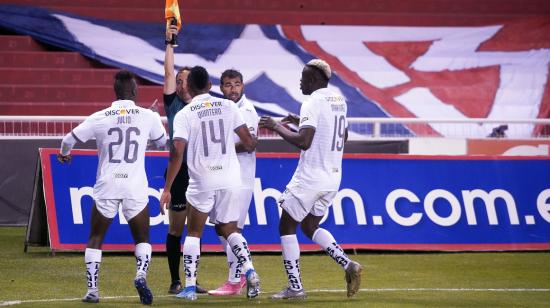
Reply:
x=210, y=135
x=339, y=133
x=126, y=138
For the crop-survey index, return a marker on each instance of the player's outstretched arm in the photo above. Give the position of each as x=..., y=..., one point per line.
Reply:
x=346, y=135
x=174, y=165
x=291, y=118
x=301, y=139
x=169, y=74
x=67, y=145
x=82, y=133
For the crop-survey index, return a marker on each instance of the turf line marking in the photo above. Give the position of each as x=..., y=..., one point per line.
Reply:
x=432, y=290
x=18, y=302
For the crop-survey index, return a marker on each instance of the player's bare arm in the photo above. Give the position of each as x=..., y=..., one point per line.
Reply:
x=67, y=144
x=346, y=135
x=291, y=118
x=174, y=165
x=301, y=139
x=169, y=75
x=240, y=148
x=248, y=142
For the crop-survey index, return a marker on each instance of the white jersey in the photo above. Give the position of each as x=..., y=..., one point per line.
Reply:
x=207, y=124
x=320, y=167
x=248, y=160
x=121, y=132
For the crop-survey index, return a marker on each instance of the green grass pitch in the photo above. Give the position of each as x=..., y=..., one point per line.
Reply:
x=505, y=279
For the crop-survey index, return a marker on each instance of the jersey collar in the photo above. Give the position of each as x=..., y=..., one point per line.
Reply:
x=201, y=97
x=320, y=91
x=123, y=103
x=241, y=102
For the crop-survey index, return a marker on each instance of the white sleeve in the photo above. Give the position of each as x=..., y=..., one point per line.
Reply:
x=180, y=125
x=85, y=130
x=238, y=119
x=252, y=121
x=308, y=115
x=67, y=144
x=158, y=133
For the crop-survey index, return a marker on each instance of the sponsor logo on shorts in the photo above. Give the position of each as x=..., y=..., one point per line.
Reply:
x=179, y=206
x=121, y=175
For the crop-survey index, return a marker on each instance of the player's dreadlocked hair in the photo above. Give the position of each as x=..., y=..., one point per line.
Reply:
x=198, y=78
x=125, y=85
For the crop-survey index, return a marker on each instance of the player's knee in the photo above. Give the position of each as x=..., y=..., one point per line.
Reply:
x=176, y=229
x=226, y=229
x=286, y=229
x=218, y=229
x=308, y=230
x=174, y=232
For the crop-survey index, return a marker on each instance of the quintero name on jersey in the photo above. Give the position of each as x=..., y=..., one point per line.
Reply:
x=205, y=105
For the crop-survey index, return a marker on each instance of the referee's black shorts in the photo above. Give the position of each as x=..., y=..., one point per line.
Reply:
x=179, y=187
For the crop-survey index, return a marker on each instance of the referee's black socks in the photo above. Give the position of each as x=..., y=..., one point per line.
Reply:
x=173, y=251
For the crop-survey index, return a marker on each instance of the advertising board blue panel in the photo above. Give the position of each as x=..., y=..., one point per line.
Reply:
x=385, y=202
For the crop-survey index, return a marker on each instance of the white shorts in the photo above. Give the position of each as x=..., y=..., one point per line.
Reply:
x=299, y=202
x=219, y=203
x=130, y=207
x=243, y=196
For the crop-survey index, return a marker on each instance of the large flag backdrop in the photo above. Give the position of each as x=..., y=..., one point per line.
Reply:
x=494, y=72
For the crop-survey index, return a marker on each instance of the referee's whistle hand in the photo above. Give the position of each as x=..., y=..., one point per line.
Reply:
x=164, y=200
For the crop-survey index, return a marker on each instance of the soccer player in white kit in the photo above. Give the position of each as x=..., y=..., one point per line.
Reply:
x=322, y=132
x=206, y=125
x=232, y=87
x=121, y=132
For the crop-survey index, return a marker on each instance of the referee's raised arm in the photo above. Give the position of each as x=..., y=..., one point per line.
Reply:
x=169, y=75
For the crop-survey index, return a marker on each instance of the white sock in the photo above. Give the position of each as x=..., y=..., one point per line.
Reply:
x=143, y=259
x=234, y=275
x=92, y=258
x=291, y=261
x=324, y=239
x=191, y=257
x=239, y=247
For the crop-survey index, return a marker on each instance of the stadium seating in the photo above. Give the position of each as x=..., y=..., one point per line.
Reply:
x=35, y=80
x=350, y=12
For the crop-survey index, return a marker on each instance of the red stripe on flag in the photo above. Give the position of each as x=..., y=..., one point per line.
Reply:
x=382, y=97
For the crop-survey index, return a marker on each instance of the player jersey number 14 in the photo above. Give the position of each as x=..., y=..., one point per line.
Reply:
x=211, y=132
